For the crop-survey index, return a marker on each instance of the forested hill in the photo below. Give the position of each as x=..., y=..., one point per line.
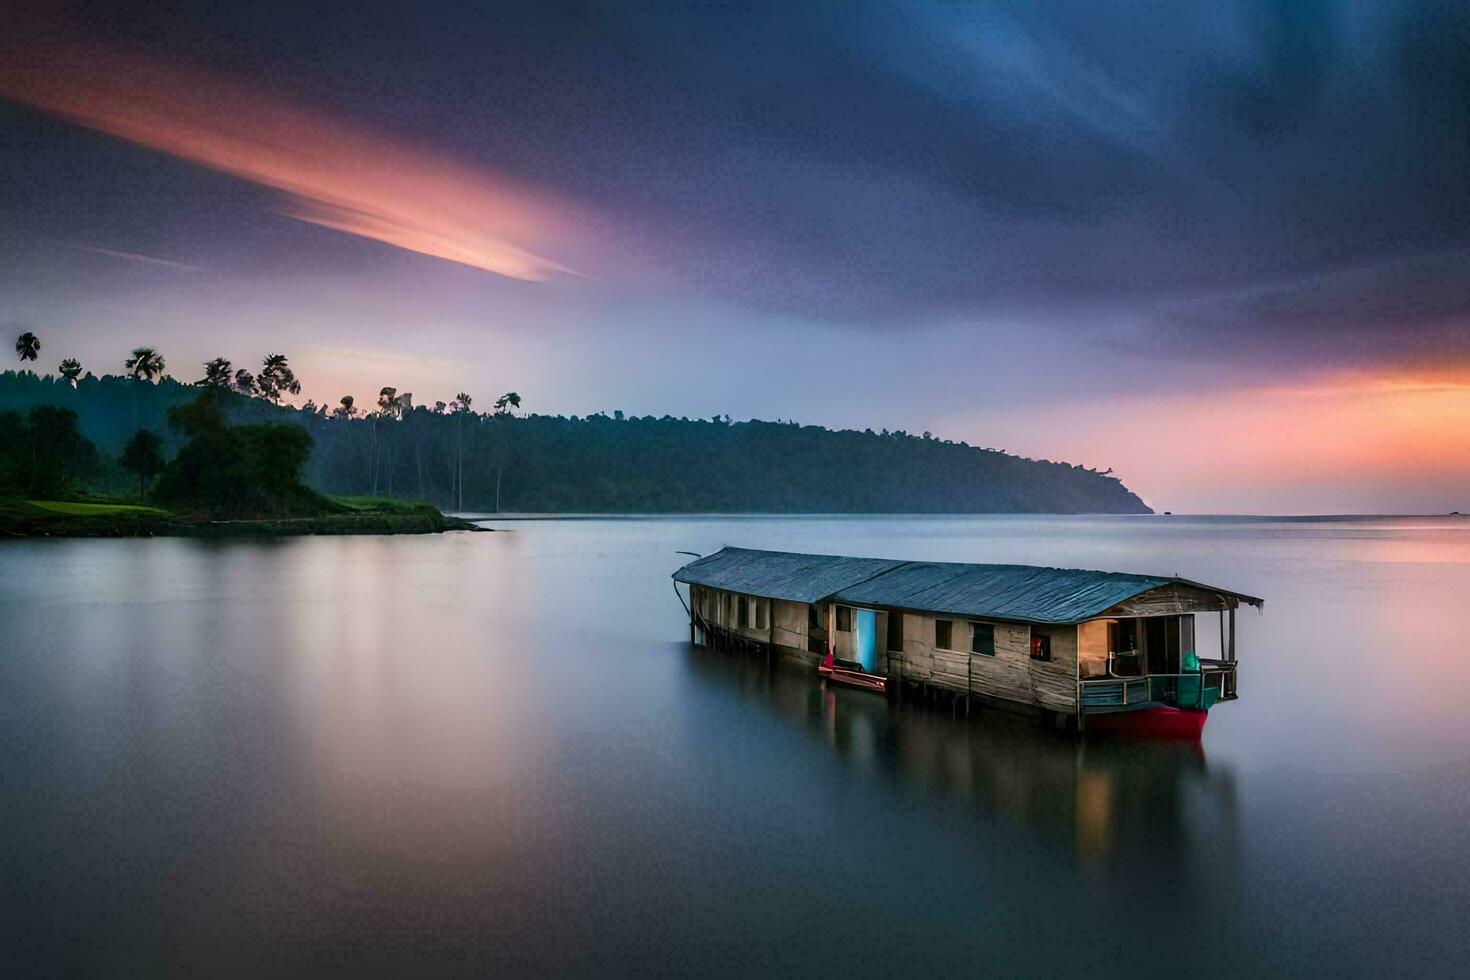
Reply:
x=605, y=464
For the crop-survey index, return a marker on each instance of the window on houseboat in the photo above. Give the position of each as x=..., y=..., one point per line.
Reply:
x=895, y=631
x=761, y=606
x=1040, y=646
x=982, y=639
x=744, y=613
x=813, y=620
x=942, y=630
x=844, y=619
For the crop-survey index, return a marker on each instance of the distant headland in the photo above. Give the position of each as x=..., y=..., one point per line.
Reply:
x=140, y=441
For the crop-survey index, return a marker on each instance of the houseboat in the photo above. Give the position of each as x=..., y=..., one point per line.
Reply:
x=1104, y=650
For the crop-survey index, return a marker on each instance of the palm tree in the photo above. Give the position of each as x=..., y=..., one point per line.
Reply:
x=345, y=410
x=244, y=382
x=387, y=408
x=216, y=373
x=27, y=346
x=462, y=403
x=145, y=364
x=388, y=402
x=503, y=406
x=276, y=378
x=405, y=412
x=70, y=369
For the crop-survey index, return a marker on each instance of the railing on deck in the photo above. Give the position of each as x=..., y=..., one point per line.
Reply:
x=1220, y=674
x=1183, y=690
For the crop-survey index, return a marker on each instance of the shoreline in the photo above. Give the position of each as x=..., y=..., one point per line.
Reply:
x=21, y=519
x=1176, y=517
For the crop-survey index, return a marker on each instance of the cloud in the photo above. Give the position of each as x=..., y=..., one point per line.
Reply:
x=1411, y=311
x=1196, y=169
x=898, y=164
x=118, y=253
x=329, y=172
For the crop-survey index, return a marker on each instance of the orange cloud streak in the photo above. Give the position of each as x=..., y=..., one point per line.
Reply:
x=331, y=173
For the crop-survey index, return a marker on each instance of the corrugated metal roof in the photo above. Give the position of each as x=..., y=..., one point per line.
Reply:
x=1018, y=592
x=1025, y=593
x=780, y=574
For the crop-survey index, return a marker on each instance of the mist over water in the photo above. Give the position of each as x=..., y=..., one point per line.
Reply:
x=496, y=754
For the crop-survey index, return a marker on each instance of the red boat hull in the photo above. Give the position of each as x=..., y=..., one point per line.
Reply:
x=1160, y=722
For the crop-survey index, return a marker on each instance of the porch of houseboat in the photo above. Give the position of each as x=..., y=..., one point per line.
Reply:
x=1158, y=705
x=1151, y=681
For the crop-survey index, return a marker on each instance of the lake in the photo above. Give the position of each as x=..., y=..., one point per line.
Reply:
x=496, y=754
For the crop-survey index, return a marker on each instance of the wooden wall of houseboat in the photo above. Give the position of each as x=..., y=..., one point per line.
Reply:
x=1009, y=675
x=884, y=667
x=787, y=629
x=842, y=641
x=705, y=605
x=1173, y=599
x=790, y=628
x=721, y=609
x=1054, y=681
x=1092, y=648
x=696, y=614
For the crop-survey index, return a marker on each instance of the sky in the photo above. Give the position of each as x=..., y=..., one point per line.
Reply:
x=1220, y=248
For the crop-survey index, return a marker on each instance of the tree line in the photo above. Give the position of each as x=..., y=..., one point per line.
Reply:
x=220, y=470
x=451, y=455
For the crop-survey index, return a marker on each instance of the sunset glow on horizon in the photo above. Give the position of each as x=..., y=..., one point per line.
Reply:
x=1396, y=440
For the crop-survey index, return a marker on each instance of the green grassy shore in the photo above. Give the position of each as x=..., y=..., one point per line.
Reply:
x=350, y=515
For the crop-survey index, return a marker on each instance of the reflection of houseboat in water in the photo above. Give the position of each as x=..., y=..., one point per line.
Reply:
x=1120, y=800
x=1113, y=651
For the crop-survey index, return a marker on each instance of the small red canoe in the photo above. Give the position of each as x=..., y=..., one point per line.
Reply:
x=853, y=678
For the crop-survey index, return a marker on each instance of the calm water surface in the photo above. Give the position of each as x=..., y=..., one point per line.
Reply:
x=495, y=754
